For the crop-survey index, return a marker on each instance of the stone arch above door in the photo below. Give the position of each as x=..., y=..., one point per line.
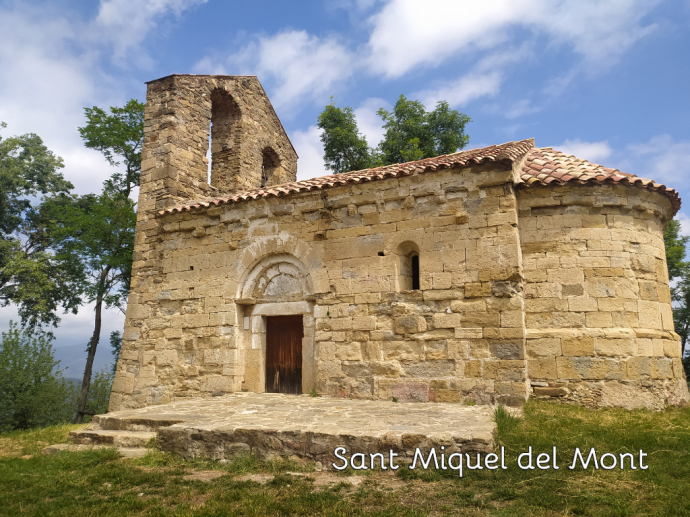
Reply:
x=280, y=277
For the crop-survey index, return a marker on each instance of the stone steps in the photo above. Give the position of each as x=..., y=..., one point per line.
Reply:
x=111, y=423
x=127, y=452
x=123, y=439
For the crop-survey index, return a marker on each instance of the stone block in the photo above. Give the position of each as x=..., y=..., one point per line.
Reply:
x=542, y=368
x=409, y=324
x=661, y=368
x=160, y=357
x=590, y=368
x=402, y=350
x=348, y=351
x=123, y=382
x=477, y=290
x=443, y=320
x=543, y=347
x=578, y=346
x=672, y=348
x=216, y=384
x=402, y=390
x=217, y=356
x=638, y=367
x=430, y=369
x=512, y=319
x=457, y=349
x=364, y=323
x=550, y=392
x=613, y=347
x=649, y=314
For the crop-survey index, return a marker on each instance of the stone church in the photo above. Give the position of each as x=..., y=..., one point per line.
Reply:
x=485, y=276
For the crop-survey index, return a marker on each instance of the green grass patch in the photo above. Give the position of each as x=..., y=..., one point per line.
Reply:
x=101, y=483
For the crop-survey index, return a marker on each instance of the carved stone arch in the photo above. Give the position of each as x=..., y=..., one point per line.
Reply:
x=277, y=278
x=283, y=243
x=275, y=285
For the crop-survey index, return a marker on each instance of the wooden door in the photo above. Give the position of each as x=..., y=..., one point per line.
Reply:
x=284, y=354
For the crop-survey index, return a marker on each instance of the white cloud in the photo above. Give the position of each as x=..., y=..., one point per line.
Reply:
x=310, y=151
x=126, y=23
x=297, y=65
x=664, y=160
x=368, y=122
x=520, y=108
x=684, y=221
x=52, y=67
x=408, y=34
x=594, y=152
x=462, y=90
x=483, y=80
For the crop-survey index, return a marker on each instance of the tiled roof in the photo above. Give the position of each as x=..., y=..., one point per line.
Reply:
x=542, y=166
x=545, y=166
x=512, y=151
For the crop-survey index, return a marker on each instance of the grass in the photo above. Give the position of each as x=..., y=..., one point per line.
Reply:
x=100, y=483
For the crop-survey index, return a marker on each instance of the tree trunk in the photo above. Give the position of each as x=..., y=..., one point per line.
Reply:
x=86, y=383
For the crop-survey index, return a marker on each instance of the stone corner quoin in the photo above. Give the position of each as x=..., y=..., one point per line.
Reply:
x=486, y=276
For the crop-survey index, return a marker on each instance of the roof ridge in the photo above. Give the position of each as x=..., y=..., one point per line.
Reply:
x=512, y=151
x=546, y=166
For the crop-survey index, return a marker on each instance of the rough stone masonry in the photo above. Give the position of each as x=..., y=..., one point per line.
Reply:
x=485, y=276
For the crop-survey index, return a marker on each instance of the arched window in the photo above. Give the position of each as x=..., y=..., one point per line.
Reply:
x=269, y=165
x=408, y=278
x=224, y=141
x=414, y=259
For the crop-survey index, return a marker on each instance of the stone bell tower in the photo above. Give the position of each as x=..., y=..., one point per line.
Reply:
x=249, y=147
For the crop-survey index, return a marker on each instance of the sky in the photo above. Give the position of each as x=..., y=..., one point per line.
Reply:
x=608, y=81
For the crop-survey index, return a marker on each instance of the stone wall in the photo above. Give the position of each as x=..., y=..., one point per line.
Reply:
x=195, y=325
x=174, y=170
x=597, y=300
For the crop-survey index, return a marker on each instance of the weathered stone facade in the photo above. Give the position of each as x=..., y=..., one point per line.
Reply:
x=526, y=285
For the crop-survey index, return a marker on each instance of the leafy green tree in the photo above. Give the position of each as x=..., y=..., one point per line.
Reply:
x=345, y=149
x=32, y=392
x=412, y=133
x=31, y=276
x=99, y=393
x=116, y=345
x=98, y=231
x=679, y=270
x=676, y=246
x=119, y=136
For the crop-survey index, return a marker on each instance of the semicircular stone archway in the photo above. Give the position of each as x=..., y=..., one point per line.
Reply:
x=276, y=285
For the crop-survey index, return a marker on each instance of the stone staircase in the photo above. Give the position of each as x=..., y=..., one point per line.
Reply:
x=131, y=436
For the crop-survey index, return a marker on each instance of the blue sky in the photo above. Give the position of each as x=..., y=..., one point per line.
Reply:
x=608, y=81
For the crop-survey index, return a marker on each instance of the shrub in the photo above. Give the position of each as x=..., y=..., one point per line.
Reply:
x=33, y=393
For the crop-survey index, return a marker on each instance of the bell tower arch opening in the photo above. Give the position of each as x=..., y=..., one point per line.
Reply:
x=225, y=141
x=269, y=166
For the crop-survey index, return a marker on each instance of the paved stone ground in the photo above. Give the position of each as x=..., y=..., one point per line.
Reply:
x=300, y=427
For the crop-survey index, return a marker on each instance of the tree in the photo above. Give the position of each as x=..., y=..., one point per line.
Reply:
x=679, y=270
x=98, y=231
x=412, y=133
x=99, y=393
x=675, y=249
x=32, y=392
x=118, y=135
x=345, y=149
x=31, y=276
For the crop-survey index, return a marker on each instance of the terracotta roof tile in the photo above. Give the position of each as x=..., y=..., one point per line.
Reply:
x=512, y=151
x=545, y=166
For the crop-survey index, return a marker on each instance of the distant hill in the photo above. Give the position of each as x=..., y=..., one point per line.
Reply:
x=73, y=360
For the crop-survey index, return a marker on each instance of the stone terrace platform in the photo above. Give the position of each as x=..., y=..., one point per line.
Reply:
x=295, y=426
